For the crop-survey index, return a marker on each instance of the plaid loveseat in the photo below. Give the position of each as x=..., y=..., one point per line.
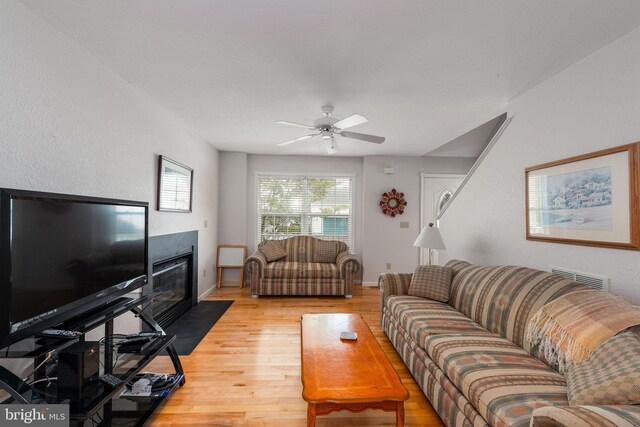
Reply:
x=470, y=355
x=297, y=274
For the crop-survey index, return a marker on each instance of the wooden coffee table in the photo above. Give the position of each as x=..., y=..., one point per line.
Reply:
x=346, y=375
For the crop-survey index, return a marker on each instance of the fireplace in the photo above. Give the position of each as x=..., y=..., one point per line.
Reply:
x=172, y=278
x=173, y=263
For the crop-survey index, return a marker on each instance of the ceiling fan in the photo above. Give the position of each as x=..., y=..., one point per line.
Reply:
x=328, y=126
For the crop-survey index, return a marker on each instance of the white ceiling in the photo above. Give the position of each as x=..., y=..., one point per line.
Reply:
x=422, y=71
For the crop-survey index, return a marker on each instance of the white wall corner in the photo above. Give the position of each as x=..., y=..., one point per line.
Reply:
x=204, y=294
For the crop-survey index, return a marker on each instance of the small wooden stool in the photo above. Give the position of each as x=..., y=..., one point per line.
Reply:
x=231, y=256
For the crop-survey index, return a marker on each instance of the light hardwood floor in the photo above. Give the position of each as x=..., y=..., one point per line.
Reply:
x=246, y=371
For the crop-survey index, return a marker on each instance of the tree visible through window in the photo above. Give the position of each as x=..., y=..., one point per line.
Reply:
x=317, y=206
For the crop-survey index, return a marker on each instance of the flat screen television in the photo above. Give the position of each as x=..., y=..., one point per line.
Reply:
x=63, y=255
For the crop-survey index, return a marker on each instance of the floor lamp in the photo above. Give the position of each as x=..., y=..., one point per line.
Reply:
x=430, y=238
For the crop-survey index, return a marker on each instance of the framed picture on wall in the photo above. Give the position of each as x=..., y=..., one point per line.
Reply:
x=592, y=199
x=174, y=186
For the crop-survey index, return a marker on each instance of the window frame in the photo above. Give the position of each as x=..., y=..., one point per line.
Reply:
x=351, y=176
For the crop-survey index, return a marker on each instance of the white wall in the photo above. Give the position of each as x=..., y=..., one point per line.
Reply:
x=383, y=240
x=592, y=105
x=232, y=210
x=68, y=124
x=232, y=205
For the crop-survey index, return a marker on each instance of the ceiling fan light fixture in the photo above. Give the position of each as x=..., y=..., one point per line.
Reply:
x=327, y=134
x=332, y=146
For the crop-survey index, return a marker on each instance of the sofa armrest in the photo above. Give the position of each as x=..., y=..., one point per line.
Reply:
x=393, y=284
x=345, y=262
x=581, y=415
x=255, y=264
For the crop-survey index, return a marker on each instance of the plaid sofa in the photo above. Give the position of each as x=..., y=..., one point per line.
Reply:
x=467, y=355
x=297, y=274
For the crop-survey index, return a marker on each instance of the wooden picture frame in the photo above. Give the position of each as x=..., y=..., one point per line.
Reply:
x=175, y=186
x=592, y=199
x=230, y=256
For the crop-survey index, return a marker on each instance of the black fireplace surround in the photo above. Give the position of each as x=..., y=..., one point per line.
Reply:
x=173, y=270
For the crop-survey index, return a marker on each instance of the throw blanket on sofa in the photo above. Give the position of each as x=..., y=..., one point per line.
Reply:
x=570, y=328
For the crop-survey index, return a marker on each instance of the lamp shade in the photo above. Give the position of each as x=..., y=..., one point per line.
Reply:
x=430, y=238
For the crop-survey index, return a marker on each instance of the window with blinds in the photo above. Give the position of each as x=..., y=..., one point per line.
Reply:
x=537, y=191
x=176, y=189
x=319, y=206
x=174, y=193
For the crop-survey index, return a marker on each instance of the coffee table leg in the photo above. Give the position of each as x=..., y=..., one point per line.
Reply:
x=400, y=414
x=311, y=415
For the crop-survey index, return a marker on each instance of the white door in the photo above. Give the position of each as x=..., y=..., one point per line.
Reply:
x=436, y=190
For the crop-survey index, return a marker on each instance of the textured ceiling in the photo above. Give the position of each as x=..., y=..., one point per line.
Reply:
x=423, y=72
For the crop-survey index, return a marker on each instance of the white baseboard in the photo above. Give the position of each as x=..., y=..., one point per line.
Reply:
x=370, y=284
x=205, y=293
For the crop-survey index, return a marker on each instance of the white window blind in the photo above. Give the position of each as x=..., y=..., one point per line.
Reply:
x=319, y=206
x=176, y=190
x=537, y=191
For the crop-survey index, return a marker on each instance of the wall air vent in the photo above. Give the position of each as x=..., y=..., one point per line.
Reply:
x=592, y=280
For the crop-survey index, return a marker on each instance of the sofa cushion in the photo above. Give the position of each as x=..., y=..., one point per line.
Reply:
x=302, y=287
x=272, y=250
x=431, y=281
x=456, y=265
x=404, y=307
x=300, y=248
x=610, y=376
x=325, y=251
x=421, y=317
x=504, y=298
x=503, y=382
x=318, y=270
x=283, y=270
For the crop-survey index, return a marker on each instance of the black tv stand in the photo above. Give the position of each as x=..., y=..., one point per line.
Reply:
x=101, y=404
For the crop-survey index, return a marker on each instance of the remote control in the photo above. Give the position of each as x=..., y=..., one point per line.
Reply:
x=348, y=336
x=111, y=380
x=60, y=333
x=151, y=334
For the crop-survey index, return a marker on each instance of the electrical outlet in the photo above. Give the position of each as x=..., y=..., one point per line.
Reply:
x=204, y=273
x=206, y=223
x=404, y=224
x=388, y=266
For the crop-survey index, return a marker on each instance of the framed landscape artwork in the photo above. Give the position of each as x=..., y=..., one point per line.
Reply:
x=174, y=186
x=592, y=199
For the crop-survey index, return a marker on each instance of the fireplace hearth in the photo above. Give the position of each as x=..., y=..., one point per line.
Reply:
x=173, y=263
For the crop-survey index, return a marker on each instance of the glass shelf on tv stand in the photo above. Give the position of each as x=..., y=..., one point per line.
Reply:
x=97, y=395
x=99, y=403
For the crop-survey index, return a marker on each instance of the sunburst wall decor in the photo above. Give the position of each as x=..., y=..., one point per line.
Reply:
x=393, y=203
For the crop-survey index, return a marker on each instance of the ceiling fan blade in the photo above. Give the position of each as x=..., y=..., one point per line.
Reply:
x=363, y=137
x=298, y=125
x=291, y=141
x=350, y=121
